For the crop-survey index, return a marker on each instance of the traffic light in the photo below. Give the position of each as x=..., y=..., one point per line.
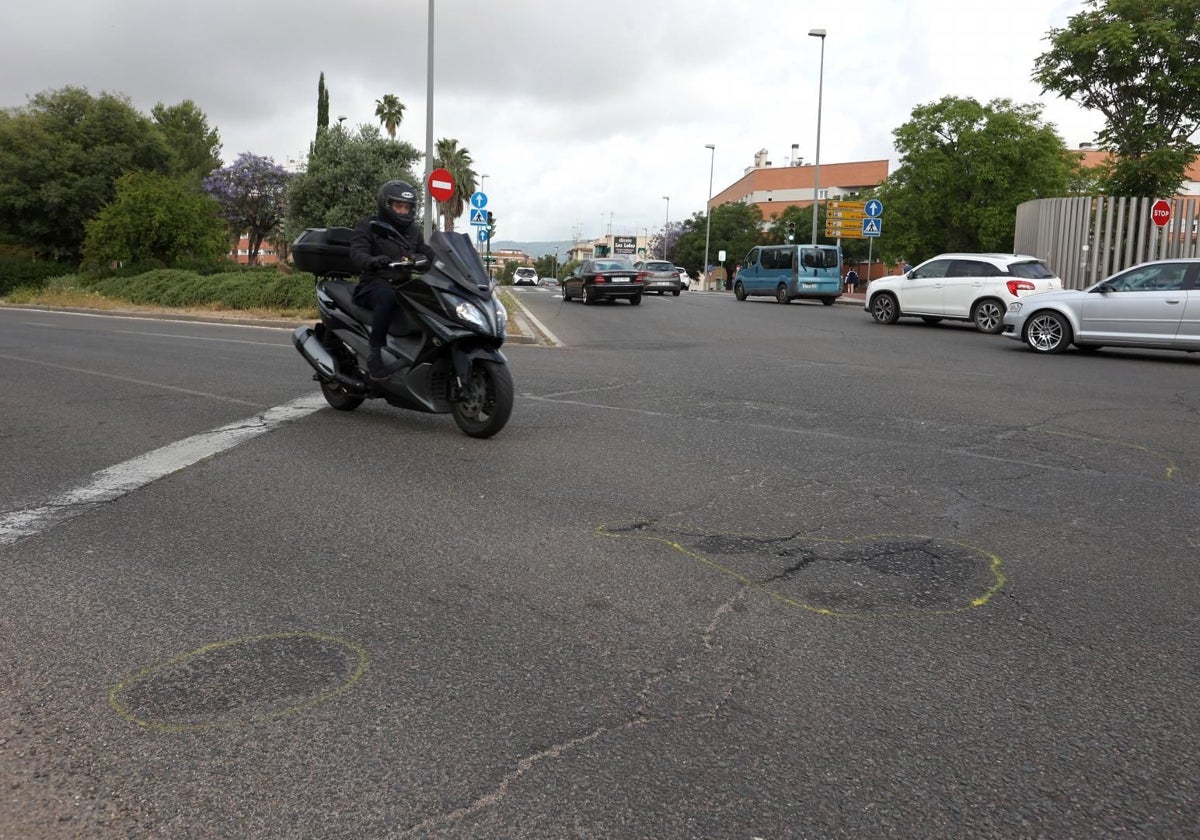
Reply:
x=491, y=223
x=791, y=231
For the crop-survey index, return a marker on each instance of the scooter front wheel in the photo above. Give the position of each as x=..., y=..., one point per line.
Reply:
x=487, y=400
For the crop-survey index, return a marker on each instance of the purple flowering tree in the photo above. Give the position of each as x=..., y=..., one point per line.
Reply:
x=251, y=193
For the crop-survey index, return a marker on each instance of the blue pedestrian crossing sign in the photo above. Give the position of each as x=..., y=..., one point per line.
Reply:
x=478, y=199
x=872, y=227
x=873, y=208
x=482, y=234
x=478, y=217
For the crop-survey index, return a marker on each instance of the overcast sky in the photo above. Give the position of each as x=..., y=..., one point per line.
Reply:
x=578, y=111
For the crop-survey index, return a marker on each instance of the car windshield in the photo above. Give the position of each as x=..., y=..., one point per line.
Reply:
x=613, y=265
x=525, y=272
x=1031, y=270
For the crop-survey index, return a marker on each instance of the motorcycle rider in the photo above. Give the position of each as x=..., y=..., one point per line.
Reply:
x=371, y=256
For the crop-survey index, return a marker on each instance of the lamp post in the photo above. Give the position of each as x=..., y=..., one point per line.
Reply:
x=818, y=33
x=666, y=224
x=427, y=222
x=708, y=210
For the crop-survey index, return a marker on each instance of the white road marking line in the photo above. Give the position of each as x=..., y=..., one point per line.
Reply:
x=114, y=482
x=203, y=338
x=172, y=388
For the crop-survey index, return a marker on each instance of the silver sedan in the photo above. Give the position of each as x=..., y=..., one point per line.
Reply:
x=1154, y=305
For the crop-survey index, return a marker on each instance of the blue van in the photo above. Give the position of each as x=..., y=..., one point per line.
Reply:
x=791, y=272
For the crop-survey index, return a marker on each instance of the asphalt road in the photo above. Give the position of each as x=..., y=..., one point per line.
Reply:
x=732, y=570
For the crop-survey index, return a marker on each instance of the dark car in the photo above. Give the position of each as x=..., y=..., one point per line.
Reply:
x=659, y=276
x=604, y=278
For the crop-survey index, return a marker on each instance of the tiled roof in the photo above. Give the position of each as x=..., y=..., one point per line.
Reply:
x=856, y=175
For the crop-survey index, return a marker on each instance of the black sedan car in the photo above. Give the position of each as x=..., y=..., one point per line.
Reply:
x=660, y=276
x=593, y=280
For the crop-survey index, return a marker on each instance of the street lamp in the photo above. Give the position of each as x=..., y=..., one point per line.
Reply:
x=427, y=222
x=818, y=33
x=666, y=224
x=708, y=210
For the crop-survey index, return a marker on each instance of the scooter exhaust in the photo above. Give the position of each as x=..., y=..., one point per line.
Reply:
x=314, y=352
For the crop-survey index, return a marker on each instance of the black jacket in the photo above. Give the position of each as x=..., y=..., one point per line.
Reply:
x=365, y=245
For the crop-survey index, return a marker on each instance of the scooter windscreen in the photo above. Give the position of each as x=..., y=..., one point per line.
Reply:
x=456, y=259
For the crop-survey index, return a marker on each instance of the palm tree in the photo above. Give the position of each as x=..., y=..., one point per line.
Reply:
x=390, y=111
x=458, y=162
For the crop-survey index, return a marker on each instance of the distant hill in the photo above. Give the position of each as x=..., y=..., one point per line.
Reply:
x=535, y=249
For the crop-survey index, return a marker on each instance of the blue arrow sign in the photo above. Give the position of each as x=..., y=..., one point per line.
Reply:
x=873, y=208
x=872, y=227
x=482, y=234
x=478, y=199
x=478, y=217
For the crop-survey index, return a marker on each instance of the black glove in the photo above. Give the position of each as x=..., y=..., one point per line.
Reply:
x=379, y=263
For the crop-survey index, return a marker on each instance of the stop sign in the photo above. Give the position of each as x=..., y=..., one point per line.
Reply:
x=1160, y=212
x=441, y=184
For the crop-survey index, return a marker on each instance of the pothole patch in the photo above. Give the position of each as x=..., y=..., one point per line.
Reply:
x=240, y=681
x=881, y=575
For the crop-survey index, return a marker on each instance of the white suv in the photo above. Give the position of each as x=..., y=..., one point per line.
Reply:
x=963, y=287
x=525, y=275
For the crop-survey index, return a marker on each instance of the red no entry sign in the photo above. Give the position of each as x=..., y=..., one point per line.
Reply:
x=1160, y=212
x=441, y=184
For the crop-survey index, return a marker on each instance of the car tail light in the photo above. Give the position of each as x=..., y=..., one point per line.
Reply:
x=1015, y=287
x=642, y=275
x=600, y=278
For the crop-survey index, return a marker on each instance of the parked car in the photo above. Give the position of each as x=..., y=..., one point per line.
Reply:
x=659, y=276
x=961, y=287
x=594, y=279
x=1155, y=305
x=525, y=275
x=685, y=282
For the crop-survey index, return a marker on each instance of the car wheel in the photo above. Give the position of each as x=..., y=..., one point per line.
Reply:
x=781, y=295
x=675, y=293
x=930, y=319
x=739, y=291
x=589, y=295
x=635, y=300
x=988, y=316
x=660, y=294
x=1047, y=332
x=827, y=301
x=566, y=292
x=885, y=309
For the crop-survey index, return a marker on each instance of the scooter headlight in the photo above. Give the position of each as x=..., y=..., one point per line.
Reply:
x=468, y=312
x=501, y=317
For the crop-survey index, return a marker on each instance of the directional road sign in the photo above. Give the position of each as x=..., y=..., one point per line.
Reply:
x=848, y=214
x=478, y=217
x=482, y=234
x=872, y=227
x=478, y=199
x=874, y=208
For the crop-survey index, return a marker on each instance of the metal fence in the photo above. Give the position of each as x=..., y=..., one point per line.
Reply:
x=1087, y=238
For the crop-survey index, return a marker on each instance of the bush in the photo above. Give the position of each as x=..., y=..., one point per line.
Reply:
x=25, y=271
x=256, y=288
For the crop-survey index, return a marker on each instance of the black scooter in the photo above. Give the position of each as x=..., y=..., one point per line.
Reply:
x=443, y=351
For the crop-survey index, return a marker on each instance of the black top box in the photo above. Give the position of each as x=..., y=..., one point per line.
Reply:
x=324, y=252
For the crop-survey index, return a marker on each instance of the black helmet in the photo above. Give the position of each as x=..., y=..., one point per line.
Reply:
x=397, y=204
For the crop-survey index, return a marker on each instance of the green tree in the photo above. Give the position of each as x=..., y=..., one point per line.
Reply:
x=60, y=157
x=736, y=228
x=390, y=112
x=322, y=105
x=195, y=148
x=155, y=218
x=251, y=192
x=546, y=265
x=1137, y=62
x=457, y=161
x=344, y=173
x=965, y=168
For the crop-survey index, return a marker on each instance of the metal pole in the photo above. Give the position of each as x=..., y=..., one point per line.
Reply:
x=708, y=210
x=428, y=221
x=818, y=33
x=666, y=225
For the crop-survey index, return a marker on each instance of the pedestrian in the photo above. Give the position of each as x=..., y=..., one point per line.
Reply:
x=851, y=281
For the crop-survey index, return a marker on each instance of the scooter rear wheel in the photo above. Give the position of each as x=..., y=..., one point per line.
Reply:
x=338, y=397
x=487, y=400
